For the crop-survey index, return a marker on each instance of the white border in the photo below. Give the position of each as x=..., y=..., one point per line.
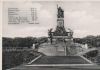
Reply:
x=1, y=3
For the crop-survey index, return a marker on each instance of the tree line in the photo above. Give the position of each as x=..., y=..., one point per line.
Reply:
x=29, y=41
x=22, y=42
x=90, y=40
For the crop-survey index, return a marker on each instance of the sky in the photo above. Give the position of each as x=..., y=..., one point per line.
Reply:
x=82, y=17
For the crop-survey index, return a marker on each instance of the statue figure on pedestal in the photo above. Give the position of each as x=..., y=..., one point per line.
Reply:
x=60, y=13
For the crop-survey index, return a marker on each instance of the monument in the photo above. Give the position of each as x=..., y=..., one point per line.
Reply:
x=60, y=32
x=61, y=37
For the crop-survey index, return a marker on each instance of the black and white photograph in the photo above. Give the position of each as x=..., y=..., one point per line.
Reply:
x=51, y=35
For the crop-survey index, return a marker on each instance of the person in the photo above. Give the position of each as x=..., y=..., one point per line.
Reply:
x=50, y=34
x=36, y=46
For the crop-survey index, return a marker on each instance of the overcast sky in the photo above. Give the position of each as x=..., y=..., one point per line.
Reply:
x=82, y=17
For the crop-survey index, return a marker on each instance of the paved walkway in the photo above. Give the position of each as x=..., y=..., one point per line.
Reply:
x=86, y=51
